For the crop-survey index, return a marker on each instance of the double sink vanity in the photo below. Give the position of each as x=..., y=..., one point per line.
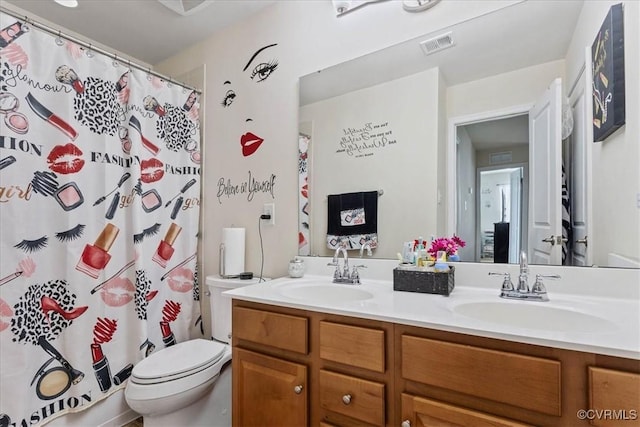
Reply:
x=308, y=351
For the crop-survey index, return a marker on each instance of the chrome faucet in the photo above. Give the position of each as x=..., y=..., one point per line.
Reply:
x=342, y=248
x=344, y=275
x=537, y=293
x=366, y=246
x=523, y=277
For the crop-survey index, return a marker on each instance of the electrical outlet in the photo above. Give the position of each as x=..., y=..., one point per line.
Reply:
x=269, y=209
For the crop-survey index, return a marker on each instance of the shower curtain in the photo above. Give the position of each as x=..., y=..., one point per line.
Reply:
x=99, y=211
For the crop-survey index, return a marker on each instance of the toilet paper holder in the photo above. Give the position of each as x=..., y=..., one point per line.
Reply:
x=244, y=275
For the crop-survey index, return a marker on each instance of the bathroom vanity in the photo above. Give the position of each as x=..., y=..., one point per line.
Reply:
x=310, y=352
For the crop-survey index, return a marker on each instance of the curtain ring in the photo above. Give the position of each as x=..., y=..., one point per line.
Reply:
x=90, y=53
x=26, y=26
x=149, y=74
x=129, y=64
x=115, y=60
x=59, y=40
x=169, y=82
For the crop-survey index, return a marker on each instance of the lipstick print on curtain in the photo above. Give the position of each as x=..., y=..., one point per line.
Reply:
x=100, y=173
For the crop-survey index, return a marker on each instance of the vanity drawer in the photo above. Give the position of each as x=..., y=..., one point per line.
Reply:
x=354, y=397
x=273, y=329
x=353, y=345
x=615, y=391
x=524, y=381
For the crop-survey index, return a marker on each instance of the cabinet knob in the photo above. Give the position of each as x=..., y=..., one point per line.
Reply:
x=406, y=423
x=298, y=389
x=346, y=399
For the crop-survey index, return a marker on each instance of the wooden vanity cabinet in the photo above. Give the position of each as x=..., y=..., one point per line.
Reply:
x=270, y=385
x=301, y=368
x=456, y=376
x=614, y=397
x=355, y=383
x=422, y=412
x=272, y=391
x=296, y=368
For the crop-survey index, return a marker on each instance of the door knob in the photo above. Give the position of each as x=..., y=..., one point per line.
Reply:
x=346, y=399
x=551, y=240
x=585, y=241
x=406, y=423
x=298, y=389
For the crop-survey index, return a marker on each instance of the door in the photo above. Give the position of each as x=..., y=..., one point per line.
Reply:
x=267, y=391
x=423, y=412
x=515, y=187
x=545, y=159
x=580, y=179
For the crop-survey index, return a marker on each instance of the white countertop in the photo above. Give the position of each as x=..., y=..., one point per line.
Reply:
x=588, y=323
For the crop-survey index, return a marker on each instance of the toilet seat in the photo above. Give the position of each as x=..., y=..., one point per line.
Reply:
x=178, y=361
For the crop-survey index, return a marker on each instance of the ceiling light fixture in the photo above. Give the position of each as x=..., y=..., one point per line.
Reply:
x=67, y=3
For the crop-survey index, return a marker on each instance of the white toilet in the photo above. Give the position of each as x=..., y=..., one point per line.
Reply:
x=189, y=383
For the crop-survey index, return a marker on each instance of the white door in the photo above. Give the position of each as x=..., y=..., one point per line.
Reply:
x=545, y=159
x=515, y=214
x=580, y=179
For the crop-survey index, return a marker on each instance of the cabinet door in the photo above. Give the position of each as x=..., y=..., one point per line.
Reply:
x=614, y=397
x=422, y=412
x=268, y=391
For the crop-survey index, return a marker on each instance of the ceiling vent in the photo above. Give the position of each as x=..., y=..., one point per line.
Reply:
x=436, y=44
x=186, y=7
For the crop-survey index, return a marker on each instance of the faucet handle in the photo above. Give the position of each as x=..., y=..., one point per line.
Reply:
x=538, y=286
x=507, y=284
x=355, y=275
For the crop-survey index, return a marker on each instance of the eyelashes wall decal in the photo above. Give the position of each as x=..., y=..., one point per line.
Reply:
x=72, y=234
x=30, y=246
x=151, y=231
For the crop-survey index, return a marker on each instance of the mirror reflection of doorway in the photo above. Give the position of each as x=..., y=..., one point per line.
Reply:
x=492, y=168
x=500, y=214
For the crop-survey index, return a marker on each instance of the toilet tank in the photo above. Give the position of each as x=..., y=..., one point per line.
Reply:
x=220, y=305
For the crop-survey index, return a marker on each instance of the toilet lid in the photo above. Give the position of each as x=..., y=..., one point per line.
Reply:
x=178, y=360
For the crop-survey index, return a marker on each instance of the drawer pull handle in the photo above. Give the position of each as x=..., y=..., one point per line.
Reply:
x=298, y=389
x=406, y=423
x=346, y=399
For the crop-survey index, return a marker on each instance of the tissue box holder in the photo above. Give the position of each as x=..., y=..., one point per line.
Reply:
x=423, y=281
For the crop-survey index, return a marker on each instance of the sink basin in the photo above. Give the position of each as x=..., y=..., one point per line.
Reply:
x=323, y=292
x=534, y=316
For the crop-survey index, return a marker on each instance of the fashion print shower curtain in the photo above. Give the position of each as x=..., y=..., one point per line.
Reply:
x=99, y=210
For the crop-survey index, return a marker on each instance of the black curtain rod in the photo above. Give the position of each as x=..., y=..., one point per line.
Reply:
x=90, y=47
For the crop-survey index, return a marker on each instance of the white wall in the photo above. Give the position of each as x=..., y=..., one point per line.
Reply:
x=615, y=172
x=310, y=37
x=403, y=165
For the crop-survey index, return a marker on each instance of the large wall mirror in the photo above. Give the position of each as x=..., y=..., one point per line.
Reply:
x=447, y=129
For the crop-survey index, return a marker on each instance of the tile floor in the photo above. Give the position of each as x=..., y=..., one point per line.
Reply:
x=134, y=423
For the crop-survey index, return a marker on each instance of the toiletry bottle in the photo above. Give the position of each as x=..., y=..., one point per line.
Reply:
x=101, y=367
x=95, y=257
x=165, y=248
x=441, y=265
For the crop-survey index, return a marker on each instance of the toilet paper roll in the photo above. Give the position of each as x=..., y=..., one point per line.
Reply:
x=233, y=241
